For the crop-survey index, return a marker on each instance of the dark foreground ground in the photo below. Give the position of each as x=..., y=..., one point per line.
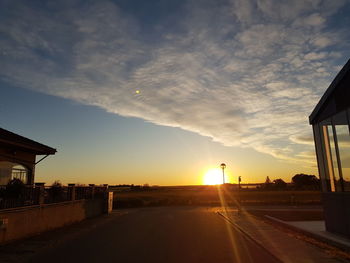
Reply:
x=164, y=234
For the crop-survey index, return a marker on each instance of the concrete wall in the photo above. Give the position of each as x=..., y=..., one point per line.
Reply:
x=26, y=221
x=337, y=212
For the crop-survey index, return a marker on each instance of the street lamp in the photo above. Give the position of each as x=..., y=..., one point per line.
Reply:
x=223, y=166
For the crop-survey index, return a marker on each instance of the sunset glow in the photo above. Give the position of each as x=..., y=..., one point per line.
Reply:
x=213, y=177
x=132, y=98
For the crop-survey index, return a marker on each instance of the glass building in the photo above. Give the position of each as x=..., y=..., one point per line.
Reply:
x=330, y=121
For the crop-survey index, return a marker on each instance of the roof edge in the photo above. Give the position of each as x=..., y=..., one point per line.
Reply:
x=329, y=91
x=26, y=142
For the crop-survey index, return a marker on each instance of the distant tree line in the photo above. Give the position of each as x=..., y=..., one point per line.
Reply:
x=133, y=187
x=299, y=182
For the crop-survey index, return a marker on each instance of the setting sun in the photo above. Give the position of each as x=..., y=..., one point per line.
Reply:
x=213, y=176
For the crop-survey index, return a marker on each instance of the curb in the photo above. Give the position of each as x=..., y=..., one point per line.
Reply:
x=250, y=237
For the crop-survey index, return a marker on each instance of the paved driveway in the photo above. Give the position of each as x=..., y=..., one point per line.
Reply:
x=165, y=234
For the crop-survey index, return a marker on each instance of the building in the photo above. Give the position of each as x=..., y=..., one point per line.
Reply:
x=330, y=121
x=18, y=157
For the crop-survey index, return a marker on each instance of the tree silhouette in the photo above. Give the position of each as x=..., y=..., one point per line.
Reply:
x=279, y=184
x=267, y=184
x=306, y=181
x=56, y=191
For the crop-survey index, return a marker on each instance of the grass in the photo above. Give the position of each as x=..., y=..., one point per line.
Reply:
x=210, y=196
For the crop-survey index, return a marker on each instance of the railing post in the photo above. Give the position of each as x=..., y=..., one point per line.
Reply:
x=41, y=197
x=72, y=191
x=28, y=195
x=108, y=202
x=107, y=199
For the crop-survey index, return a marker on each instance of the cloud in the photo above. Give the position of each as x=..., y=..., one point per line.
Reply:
x=315, y=56
x=308, y=157
x=313, y=20
x=322, y=41
x=242, y=72
x=243, y=10
x=302, y=139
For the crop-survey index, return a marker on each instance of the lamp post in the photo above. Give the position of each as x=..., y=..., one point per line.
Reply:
x=239, y=193
x=223, y=166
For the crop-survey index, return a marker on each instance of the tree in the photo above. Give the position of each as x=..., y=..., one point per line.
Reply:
x=267, y=184
x=306, y=181
x=279, y=184
x=267, y=181
x=56, y=183
x=56, y=191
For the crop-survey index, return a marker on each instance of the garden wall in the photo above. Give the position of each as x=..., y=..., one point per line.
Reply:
x=22, y=222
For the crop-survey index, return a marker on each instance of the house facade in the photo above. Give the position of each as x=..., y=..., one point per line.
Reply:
x=18, y=157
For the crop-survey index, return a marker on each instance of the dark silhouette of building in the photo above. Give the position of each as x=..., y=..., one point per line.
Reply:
x=18, y=157
x=330, y=123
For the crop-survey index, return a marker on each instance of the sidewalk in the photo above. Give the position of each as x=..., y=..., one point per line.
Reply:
x=282, y=245
x=317, y=230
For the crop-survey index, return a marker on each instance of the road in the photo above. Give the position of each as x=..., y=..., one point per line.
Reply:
x=166, y=234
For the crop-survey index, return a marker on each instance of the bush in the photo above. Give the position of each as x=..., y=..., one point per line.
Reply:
x=14, y=188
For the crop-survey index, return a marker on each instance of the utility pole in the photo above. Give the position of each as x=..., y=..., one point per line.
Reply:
x=239, y=193
x=223, y=166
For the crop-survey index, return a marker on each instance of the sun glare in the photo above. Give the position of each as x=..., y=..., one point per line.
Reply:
x=213, y=176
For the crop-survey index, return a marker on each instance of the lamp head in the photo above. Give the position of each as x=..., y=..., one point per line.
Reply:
x=223, y=166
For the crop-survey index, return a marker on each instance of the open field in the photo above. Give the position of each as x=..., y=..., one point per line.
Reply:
x=210, y=196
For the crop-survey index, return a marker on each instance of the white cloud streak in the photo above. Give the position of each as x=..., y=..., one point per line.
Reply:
x=246, y=73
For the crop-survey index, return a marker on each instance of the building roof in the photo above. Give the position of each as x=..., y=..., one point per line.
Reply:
x=336, y=97
x=14, y=140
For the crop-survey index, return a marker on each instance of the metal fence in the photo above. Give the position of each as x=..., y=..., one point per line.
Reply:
x=29, y=195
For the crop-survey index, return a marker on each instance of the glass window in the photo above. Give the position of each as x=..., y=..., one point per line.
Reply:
x=19, y=172
x=336, y=151
x=327, y=138
x=9, y=171
x=333, y=160
x=320, y=154
x=343, y=140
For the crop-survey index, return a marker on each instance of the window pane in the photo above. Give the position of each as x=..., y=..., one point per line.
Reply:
x=337, y=182
x=9, y=171
x=19, y=172
x=344, y=152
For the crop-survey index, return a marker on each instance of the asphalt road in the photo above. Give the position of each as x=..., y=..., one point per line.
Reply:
x=166, y=234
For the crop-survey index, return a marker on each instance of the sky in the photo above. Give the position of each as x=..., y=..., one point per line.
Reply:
x=160, y=91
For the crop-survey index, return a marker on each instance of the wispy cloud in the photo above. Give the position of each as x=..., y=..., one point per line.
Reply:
x=245, y=73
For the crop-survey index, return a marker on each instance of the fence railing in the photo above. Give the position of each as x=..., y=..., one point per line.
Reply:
x=38, y=194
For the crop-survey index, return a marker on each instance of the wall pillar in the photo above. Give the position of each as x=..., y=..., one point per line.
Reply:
x=92, y=188
x=71, y=188
x=41, y=193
